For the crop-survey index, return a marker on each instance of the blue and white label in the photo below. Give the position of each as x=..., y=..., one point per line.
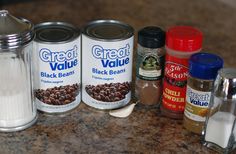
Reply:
x=112, y=57
x=198, y=98
x=61, y=63
x=197, y=103
x=60, y=60
x=56, y=69
x=106, y=64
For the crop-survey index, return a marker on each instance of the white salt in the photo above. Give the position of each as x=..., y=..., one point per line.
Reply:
x=16, y=108
x=219, y=128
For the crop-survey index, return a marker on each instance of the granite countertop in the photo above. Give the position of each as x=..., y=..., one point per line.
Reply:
x=87, y=130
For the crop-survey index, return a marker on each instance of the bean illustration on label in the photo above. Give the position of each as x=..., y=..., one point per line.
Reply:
x=109, y=92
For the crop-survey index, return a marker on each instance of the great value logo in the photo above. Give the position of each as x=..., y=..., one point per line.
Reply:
x=198, y=98
x=59, y=60
x=112, y=57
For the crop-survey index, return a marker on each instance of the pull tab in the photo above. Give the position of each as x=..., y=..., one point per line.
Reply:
x=3, y=13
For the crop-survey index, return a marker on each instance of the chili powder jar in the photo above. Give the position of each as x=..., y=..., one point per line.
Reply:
x=181, y=43
x=203, y=68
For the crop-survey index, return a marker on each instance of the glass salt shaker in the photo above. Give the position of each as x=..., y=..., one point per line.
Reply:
x=219, y=131
x=17, y=110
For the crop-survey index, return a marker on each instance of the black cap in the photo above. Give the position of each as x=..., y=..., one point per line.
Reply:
x=151, y=37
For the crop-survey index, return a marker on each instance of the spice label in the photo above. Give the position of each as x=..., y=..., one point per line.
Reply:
x=175, y=81
x=196, y=104
x=150, y=66
x=107, y=72
x=57, y=76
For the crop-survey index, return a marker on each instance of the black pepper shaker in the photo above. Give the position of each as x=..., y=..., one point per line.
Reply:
x=150, y=65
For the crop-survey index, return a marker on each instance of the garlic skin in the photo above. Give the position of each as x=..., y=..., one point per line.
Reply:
x=123, y=112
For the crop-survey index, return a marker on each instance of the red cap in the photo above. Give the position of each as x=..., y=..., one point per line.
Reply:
x=184, y=38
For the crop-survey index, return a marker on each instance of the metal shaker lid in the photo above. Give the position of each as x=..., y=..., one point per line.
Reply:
x=14, y=32
x=225, y=84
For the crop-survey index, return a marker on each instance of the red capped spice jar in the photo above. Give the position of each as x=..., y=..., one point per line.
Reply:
x=181, y=43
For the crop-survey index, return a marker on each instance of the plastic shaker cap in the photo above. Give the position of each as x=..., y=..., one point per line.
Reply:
x=184, y=38
x=151, y=37
x=205, y=65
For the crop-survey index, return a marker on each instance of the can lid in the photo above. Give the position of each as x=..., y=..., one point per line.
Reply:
x=205, y=65
x=184, y=38
x=151, y=37
x=14, y=32
x=55, y=32
x=108, y=30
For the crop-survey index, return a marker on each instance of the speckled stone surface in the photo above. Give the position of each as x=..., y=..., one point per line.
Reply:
x=87, y=130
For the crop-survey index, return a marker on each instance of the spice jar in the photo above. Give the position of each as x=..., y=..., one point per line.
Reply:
x=150, y=65
x=17, y=110
x=203, y=68
x=181, y=43
x=219, y=130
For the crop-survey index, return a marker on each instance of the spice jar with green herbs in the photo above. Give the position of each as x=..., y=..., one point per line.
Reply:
x=150, y=65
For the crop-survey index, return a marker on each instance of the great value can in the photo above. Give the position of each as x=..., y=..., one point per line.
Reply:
x=56, y=67
x=107, y=52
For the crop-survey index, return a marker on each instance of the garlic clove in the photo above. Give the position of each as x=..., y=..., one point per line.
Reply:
x=123, y=112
